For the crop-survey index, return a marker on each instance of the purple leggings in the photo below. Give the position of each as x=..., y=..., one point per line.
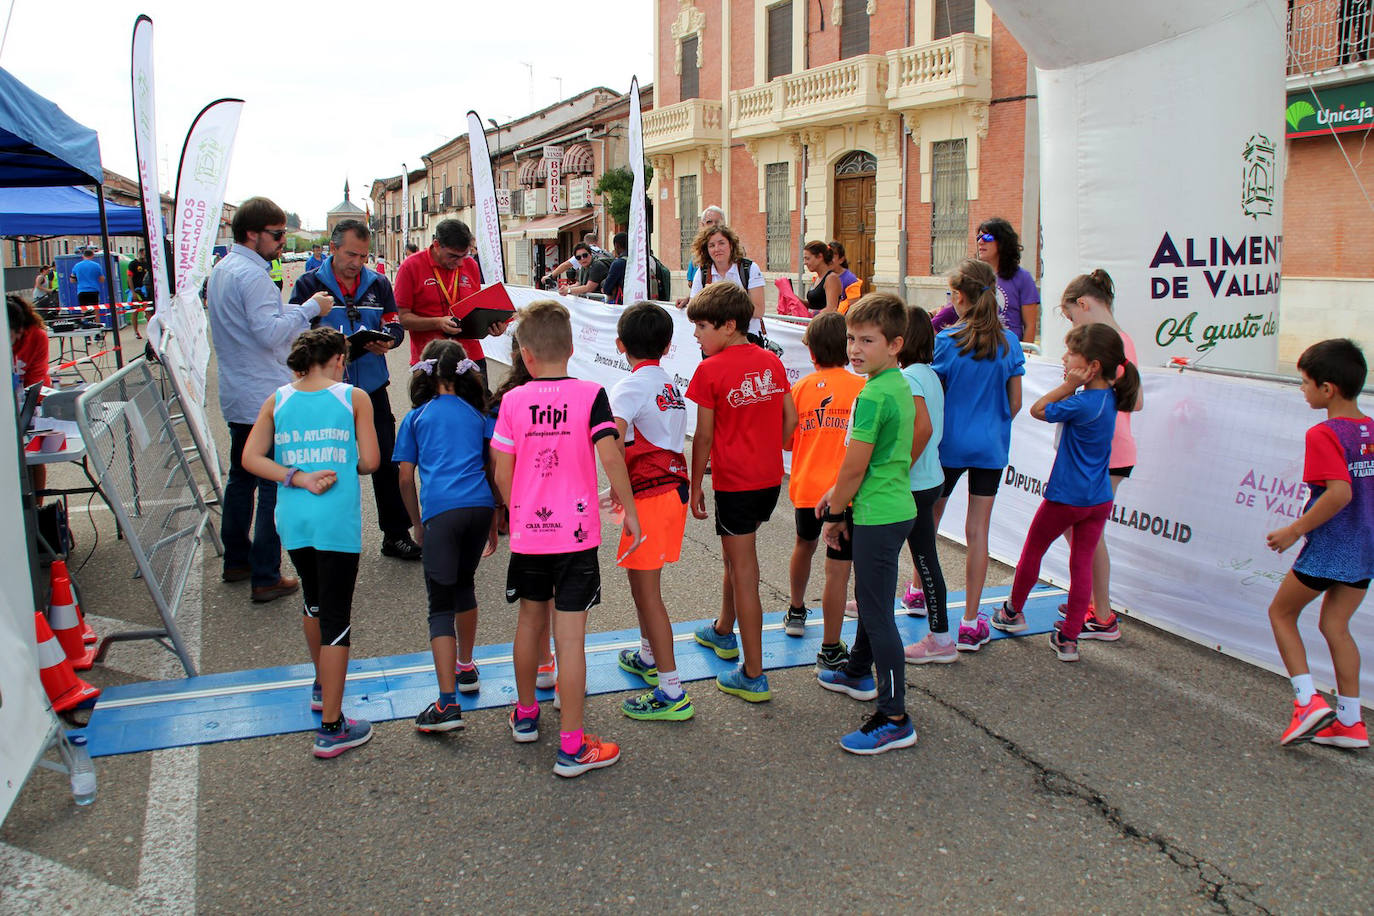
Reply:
x=1051, y=520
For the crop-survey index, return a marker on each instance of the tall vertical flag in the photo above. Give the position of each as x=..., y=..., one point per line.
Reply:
x=488, y=229
x=145, y=148
x=201, y=178
x=405, y=207
x=637, y=260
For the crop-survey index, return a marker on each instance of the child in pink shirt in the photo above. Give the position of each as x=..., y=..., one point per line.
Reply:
x=546, y=433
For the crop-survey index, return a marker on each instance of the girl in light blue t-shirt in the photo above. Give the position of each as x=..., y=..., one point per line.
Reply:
x=314, y=437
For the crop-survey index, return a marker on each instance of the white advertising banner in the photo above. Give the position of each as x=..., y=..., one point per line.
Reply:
x=553, y=164
x=145, y=148
x=405, y=206
x=1162, y=161
x=488, y=228
x=201, y=178
x=637, y=261
x=1219, y=466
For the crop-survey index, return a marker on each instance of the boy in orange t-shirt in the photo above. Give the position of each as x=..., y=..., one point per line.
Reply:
x=824, y=399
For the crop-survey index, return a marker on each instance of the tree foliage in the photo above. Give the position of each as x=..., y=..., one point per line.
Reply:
x=617, y=185
x=293, y=221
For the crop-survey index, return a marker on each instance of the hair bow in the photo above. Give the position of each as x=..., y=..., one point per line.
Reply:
x=425, y=365
x=465, y=365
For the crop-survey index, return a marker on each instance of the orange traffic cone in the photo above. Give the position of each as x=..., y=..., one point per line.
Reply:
x=66, y=624
x=65, y=690
x=59, y=568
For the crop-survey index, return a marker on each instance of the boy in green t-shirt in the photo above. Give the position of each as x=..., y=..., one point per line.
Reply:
x=875, y=475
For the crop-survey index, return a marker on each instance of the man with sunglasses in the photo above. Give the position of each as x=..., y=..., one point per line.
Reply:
x=368, y=305
x=252, y=333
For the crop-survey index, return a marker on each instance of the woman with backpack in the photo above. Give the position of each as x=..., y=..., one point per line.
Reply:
x=719, y=257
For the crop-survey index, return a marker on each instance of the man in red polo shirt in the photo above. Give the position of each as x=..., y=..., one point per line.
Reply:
x=430, y=282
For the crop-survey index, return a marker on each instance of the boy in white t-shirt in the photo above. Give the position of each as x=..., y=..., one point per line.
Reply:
x=651, y=416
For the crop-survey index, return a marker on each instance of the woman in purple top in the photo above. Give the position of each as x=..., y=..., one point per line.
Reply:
x=998, y=245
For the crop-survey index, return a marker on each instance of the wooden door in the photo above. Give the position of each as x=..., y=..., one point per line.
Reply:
x=854, y=222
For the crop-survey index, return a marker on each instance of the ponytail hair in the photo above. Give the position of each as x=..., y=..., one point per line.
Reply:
x=1096, y=285
x=316, y=347
x=980, y=331
x=445, y=361
x=1101, y=343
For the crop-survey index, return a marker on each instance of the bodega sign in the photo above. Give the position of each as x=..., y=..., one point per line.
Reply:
x=1332, y=109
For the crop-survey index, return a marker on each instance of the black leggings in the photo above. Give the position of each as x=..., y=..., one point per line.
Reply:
x=454, y=541
x=327, y=580
x=921, y=542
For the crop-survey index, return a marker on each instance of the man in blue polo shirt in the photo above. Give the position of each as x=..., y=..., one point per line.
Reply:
x=88, y=277
x=315, y=260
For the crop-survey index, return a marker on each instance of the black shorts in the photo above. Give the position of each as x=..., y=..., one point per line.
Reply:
x=1321, y=584
x=809, y=529
x=1122, y=472
x=743, y=511
x=88, y=298
x=572, y=580
x=981, y=481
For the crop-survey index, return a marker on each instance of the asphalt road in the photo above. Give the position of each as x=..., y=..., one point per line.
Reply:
x=1147, y=777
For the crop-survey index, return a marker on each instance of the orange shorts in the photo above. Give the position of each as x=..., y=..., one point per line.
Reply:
x=663, y=518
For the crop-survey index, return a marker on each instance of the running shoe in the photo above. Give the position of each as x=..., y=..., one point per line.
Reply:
x=794, y=624
x=929, y=652
x=593, y=755
x=631, y=661
x=858, y=688
x=1009, y=621
x=1347, y=736
x=1308, y=720
x=655, y=706
x=914, y=601
x=753, y=689
x=353, y=733
x=434, y=719
x=880, y=734
x=524, y=730
x=851, y=609
x=1065, y=649
x=832, y=660
x=726, y=647
x=316, y=698
x=1107, y=632
x=469, y=679
x=546, y=676
x=1064, y=609
x=972, y=638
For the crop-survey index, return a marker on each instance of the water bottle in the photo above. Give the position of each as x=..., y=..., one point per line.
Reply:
x=83, y=771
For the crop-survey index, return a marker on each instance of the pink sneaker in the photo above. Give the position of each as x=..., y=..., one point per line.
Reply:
x=851, y=608
x=914, y=601
x=929, y=652
x=1308, y=720
x=1347, y=736
x=972, y=638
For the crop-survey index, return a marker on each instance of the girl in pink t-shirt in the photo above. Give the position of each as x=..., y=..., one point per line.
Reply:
x=1088, y=300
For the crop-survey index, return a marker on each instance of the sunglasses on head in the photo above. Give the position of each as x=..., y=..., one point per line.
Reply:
x=985, y=237
x=276, y=234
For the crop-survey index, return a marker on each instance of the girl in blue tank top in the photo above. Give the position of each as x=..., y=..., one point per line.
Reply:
x=314, y=437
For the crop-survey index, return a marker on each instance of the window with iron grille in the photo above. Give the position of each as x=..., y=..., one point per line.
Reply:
x=777, y=200
x=780, y=40
x=690, y=208
x=690, y=82
x=949, y=204
x=953, y=17
x=854, y=28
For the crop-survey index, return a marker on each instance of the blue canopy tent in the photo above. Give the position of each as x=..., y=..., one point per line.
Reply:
x=41, y=147
x=62, y=211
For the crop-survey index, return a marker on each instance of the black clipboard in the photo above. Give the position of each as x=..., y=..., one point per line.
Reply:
x=477, y=313
x=358, y=341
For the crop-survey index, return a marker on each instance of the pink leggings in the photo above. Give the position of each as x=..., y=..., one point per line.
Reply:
x=1051, y=520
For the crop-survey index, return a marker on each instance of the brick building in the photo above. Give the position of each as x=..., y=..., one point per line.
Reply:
x=892, y=127
x=1328, y=217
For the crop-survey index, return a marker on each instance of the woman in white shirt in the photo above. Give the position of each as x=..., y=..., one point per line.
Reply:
x=717, y=253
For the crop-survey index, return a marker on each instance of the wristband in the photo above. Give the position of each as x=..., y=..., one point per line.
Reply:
x=290, y=472
x=832, y=517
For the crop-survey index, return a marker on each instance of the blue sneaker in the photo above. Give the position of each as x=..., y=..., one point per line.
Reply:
x=631, y=661
x=880, y=734
x=753, y=689
x=655, y=706
x=859, y=688
x=353, y=733
x=726, y=647
x=316, y=698
x=524, y=730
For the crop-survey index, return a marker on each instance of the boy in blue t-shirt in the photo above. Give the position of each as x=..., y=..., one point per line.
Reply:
x=1338, y=558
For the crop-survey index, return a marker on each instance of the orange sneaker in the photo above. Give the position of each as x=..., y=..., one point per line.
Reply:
x=1338, y=735
x=1308, y=719
x=593, y=755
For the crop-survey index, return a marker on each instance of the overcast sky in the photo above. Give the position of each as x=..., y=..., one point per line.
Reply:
x=349, y=89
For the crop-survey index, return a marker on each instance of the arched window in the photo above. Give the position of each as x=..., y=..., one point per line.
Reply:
x=856, y=163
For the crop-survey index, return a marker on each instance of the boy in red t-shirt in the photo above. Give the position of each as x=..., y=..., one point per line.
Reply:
x=824, y=400
x=744, y=414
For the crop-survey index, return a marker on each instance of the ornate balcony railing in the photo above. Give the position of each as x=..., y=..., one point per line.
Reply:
x=1324, y=34
x=833, y=94
x=684, y=125
x=950, y=70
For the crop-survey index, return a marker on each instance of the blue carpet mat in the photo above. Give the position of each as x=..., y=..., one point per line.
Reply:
x=153, y=715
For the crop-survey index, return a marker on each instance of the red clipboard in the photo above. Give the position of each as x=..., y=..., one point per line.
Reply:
x=476, y=313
